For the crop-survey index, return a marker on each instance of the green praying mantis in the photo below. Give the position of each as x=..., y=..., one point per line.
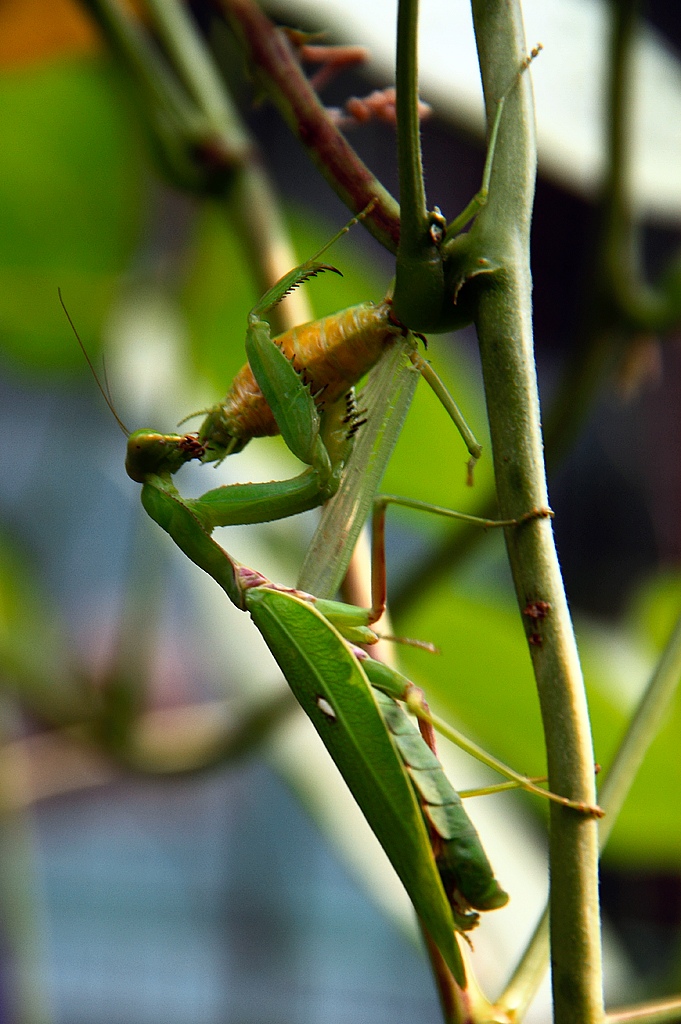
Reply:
x=406, y=799
x=301, y=384
x=394, y=776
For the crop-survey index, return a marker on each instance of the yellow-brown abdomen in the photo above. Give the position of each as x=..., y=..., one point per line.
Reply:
x=335, y=352
x=330, y=354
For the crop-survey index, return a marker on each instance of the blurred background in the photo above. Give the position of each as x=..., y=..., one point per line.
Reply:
x=214, y=868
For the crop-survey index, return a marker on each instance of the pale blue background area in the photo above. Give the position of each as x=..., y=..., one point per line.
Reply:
x=213, y=900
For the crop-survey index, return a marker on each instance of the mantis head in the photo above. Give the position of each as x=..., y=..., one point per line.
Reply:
x=153, y=454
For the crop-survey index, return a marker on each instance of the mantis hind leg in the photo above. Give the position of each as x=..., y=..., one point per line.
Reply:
x=378, y=561
x=398, y=687
x=391, y=682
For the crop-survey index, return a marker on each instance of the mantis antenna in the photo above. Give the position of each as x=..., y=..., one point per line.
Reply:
x=104, y=391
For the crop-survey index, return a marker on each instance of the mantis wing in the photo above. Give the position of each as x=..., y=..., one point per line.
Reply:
x=386, y=397
x=333, y=690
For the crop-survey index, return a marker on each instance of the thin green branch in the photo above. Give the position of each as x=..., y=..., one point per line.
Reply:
x=664, y=1011
x=152, y=73
x=189, y=751
x=529, y=974
x=195, y=68
x=196, y=130
x=410, y=164
x=20, y=898
x=633, y=303
x=501, y=234
x=643, y=727
x=255, y=212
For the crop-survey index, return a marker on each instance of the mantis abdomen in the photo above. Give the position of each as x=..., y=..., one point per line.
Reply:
x=331, y=355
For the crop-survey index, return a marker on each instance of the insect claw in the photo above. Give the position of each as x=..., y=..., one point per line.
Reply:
x=398, y=323
x=307, y=275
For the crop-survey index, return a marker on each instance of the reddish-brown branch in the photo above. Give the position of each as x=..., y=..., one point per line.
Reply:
x=277, y=69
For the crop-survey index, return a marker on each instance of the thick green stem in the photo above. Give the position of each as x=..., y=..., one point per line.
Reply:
x=504, y=326
x=642, y=729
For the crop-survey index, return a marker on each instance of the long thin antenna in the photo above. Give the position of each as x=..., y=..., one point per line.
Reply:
x=105, y=393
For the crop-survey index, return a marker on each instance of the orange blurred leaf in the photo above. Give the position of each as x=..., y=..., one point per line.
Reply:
x=35, y=30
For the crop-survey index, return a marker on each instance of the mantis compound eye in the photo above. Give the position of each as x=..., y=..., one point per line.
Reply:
x=144, y=454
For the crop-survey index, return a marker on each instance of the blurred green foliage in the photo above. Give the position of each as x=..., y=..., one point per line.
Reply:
x=73, y=181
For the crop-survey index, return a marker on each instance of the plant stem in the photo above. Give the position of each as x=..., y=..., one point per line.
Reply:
x=196, y=69
x=643, y=728
x=505, y=334
x=414, y=220
x=253, y=209
x=664, y=1011
x=23, y=942
x=631, y=301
